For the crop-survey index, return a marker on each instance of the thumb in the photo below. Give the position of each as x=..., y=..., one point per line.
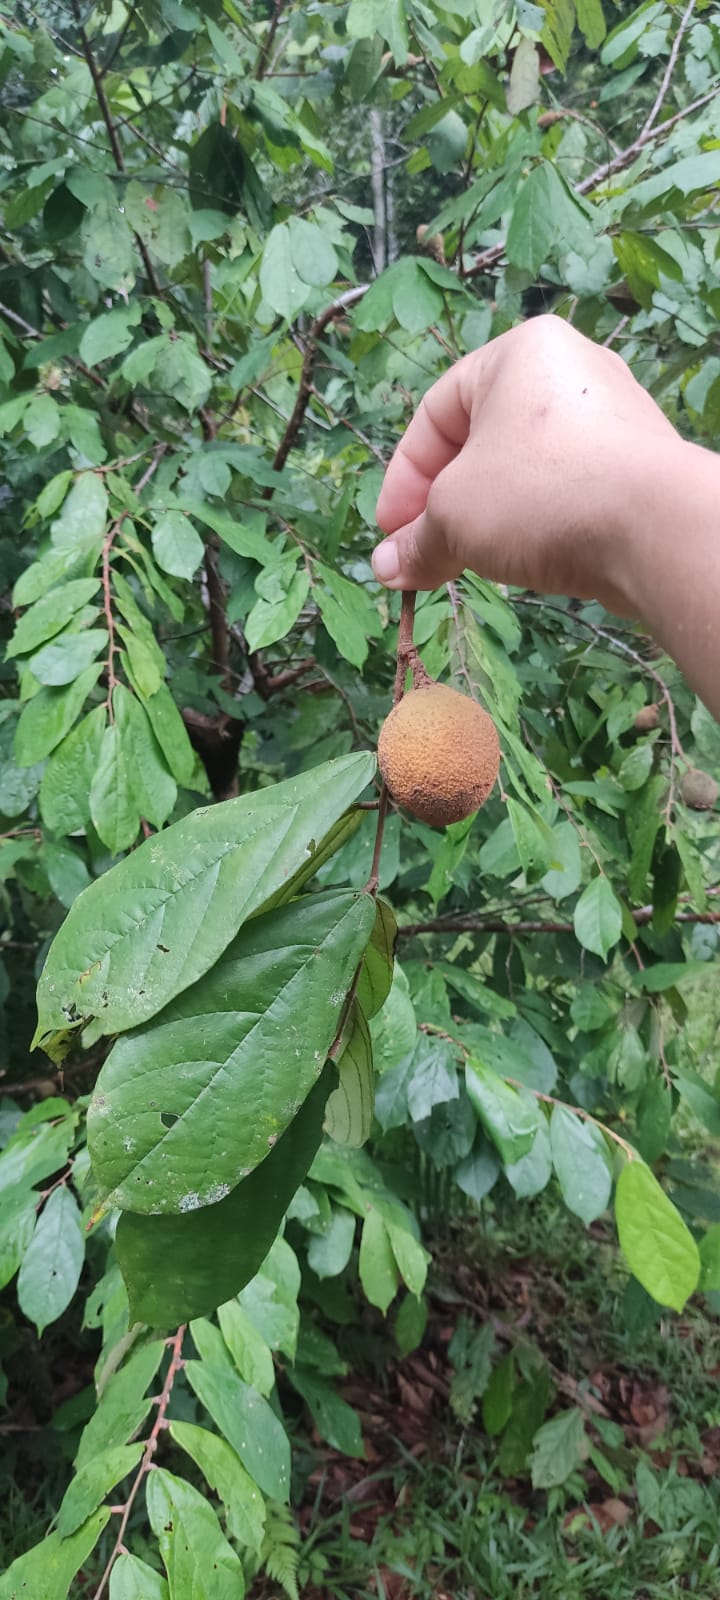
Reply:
x=416, y=556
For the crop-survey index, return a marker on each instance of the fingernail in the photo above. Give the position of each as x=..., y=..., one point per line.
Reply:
x=386, y=561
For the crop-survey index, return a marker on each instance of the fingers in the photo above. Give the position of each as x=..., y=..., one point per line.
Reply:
x=422, y=554
x=436, y=434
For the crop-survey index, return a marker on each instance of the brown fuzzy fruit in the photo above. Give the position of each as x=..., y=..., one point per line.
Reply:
x=439, y=754
x=699, y=790
x=648, y=717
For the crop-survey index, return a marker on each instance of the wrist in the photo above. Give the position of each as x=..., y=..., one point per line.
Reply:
x=649, y=525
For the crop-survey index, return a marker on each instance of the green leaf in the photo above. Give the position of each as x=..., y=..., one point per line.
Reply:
x=282, y=286
x=597, y=918
x=274, y=614
x=510, y=1119
x=709, y=1247
x=524, y=85
x=334, y=1419
x=181, y=1267
x=433, y=1078
x=198, y=1559
x=311, y=252
x=582, y=1163
x=567, y=877
x=132, y=1579
x=226, y=1475
x=658, y=1247
x=546, y=221
x=66, y=657
x=558, y=30
x=180, y=372
x=412, y=1260
x=349, y=1111
x=376, y=973
x=591, y=22
x=113, y=807
x=123, y=1404
x=51, y=1268
x=330, y=1251
x=17, y=1224
x=530, y=1175
x=248, y=1423
x=50, y=615
x=250, y=1352
x=90, y=1486
x=410, y=1324
x=48, y=1570
x=378, y=1271
x=534, y=841
x=154, y=790
x=109, y=334
x=239, y=1050
x=558, y=1448
x=182, y=896
x=177, y=547
x=50, y=714
x=497, y=1399
x=84, y=514
x=171, y=734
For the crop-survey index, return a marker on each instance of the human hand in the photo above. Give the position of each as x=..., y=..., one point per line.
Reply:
x=528, y=463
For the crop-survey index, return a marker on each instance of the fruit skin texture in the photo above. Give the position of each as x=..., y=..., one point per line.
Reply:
x=699, y=790
x=648, y=717
x=439, y=754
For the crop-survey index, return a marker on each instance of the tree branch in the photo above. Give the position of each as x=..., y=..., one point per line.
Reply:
x=263, y=60
x=162, y=1402
x=115, y=145
x=305, y=387
x=670, y=68
x=473, y=924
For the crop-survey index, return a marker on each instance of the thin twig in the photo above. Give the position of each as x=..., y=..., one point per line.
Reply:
x=305, y=386
x=162, y=1402
x=268, y=42
x=115, y=145
x=472, y=924
x=670, y=68
x=625, y=157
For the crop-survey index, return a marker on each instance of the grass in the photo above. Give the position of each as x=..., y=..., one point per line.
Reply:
x=639, y=1519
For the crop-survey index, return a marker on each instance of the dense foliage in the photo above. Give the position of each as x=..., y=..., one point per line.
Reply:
x=238, y=243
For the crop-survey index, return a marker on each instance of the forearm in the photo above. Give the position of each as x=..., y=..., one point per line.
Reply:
x=672, y=556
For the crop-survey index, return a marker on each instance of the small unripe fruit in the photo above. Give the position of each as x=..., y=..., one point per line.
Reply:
x=439, y=754
x=648, y=717
x=699, y=790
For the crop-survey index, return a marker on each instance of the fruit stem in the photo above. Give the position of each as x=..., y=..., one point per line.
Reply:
x=407, y=657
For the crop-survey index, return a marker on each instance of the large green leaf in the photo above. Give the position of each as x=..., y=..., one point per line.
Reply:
x=248, y=1423
x=598, y=917
x=198, y=1559
x=135, y=939
x=181, y=1267
x=510, y=1119
x=658, y=1247
x=51, y=1268
x=190, y=1104
x=226, y=1475
x=48, y=1570
x=582, y=1163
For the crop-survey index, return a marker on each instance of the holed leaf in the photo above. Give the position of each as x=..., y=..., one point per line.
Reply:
x=187, y=1106
x=143, y=933
x=176, y=1268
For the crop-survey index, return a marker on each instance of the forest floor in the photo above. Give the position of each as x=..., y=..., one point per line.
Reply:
x=428, y=1516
